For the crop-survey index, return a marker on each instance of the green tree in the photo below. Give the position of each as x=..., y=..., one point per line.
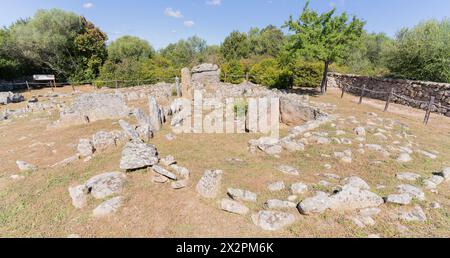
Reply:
x=129, y=48
x=185, y=52
x=236, y=46
x=325, y=37
x=269, y=73
x=266, y=42
x=232, y=72
x=422, y=53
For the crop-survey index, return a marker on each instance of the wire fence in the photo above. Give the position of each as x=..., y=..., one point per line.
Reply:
x=429, y=106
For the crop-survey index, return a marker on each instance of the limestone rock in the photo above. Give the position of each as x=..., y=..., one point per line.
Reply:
x=413, y=191
x=155, y=113
x=79, y=196
x=234, y=207
x=164, y=172
x=277, y=186
x=209, y=185
x=317, y=204
x=355, y=182
x=137, y=155
x=106, y=184
x=407, y=176
x=168, y=160
x=402, y=199
x=129, y=130
x=360, y=131
x=85, y=148
x=108, y=207
x=299, y=188
x=24, y=166
x=404, y=158
x=279, y=204
x=273, y=220
x=354, y=198
x=103, y=140
x=241, y=195
x=416, y=214
x=288, y=170
x=180, y=184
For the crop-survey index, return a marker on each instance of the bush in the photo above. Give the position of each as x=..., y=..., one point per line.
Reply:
x=269, y=73
x=306, y=74
x=232, y=72
x=240, y=107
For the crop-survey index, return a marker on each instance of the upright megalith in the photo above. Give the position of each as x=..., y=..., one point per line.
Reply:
x=186, y=82
x=206, y=74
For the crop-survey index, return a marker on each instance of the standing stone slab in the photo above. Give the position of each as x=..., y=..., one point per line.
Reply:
x=209, y=184
x=155, y=114
x=234, y=207
x=242, y=195
x=106, y=184
x=108, y=207
x=129, y=130
x=103, y=140
x=137, y=155
x=273, y=220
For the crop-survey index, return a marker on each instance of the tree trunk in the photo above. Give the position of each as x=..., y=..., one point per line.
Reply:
x=324, y=84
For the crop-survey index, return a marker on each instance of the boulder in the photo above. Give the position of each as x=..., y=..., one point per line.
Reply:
x=241, y=195
x=277, y=186
x=103, y=140
x=413, y=191
x=273, y=220
x=138, y=155
x=446, y=174
x=85, y=148
x=402, y=199
x=299, y=188
x=355, y=182
x=209, y=184
x=354, y=198
x=206, y=74
x=129, y=130
x=234, y=207
x=106, y=184
x=295, y=112
x=317, y=204
x=79, y=196
x=416, y=214
x=108, y=207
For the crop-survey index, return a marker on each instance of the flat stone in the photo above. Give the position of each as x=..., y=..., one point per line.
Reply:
x=317, y=204
x=24, y=166
x=234, y=207
x=106, y=184
x=103, y=140
x=129, y=130
x=402, y=199
x=404, y=158
x=407, y=176
x=168, y=160
x=369, y=212
x=354, y=198
x=159, y=179
x=299, y=188
x=361, y=131
x=416, y=214
x=137, y=155
x=289, y=170
x=180, y=184
x=85, y=148
x=210, y=183
x=242, y=195
x=277, y=186
x=273, y=220
x=355, y=182
x=413, y=191
x=434, y=182
x=279, y=204
x=182, y=171
x=108, y=207
x=79, y=196
x=164, y=172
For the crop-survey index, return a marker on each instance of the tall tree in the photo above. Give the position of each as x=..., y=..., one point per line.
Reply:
x=185, y=52
x=131, y=48
x=325, y=37
x=235, y=46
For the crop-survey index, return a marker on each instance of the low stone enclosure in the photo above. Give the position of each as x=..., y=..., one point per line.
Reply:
x=415, y=94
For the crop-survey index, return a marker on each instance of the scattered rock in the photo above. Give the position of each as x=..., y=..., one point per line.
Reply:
x=164, y=172
x=369, y=212
x=182, y=171
x=137, y=155
x=354, y=198
x=233, y=207
x=209, y=184
x=435, y=205
x=268, y=145
x=402, y=199
x=433, y=182
x=289, y=170
x=103, y=140
x=273, y=220
x=416, y=214
x=168, y=160
x=404, y=158
x=170, y=137
x=79, y=196
x=299, y=188
x=108, y=207
x=106, y=184
x=407, y=176
x=85, y=148
x=361, y=131
x=130, y=131
x=355, y=182
x=317, y=204
x=277, y=186
x=24, y=166
x=242, y=195
x=446, y=174
x=413, y=191
x=180, y=184
x=279, y=204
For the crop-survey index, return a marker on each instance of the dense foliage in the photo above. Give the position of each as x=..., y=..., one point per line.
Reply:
x=74, y=49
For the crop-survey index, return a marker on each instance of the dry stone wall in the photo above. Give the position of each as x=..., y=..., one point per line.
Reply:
x=415, y=93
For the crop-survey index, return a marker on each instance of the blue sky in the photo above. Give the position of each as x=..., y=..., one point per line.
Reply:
x=165, y=21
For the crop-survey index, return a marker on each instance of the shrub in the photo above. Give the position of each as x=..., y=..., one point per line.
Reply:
x=232, y=72
x=269, y=73
x=306, y=74
x=240, y=107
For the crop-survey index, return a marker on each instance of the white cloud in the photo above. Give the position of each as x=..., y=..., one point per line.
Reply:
x=214, y=2
x=88, y=5
x=173, y=13
x=189, y=23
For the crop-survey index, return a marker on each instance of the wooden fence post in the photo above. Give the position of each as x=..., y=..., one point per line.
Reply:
x=362, y=94
x=246, y=77
x=428, y=113
x=28, y=86
x=391, y=94
x=343, y=91
x=53, y=86
x=117, y=84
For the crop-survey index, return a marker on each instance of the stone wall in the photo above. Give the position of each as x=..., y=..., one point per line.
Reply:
x=416, y=93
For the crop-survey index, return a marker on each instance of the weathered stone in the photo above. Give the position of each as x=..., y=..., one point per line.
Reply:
x=279, y=204
x=288, y=170
x=206, y=74
x=106, y=184
x=446, y=174
x=233, y=207
x=354, y=198
x=129, y=130
x=317, y=204
x=355, y=182
x=24, y=166
x=299, y=188
x=186, y=82
x=360, y=131
x=427, y=154
x=164, y=172
x=155, y=114
x=103, y=140
x=292, y=146
x=402, y=199
x=180, y=184
x=170, y=137
x=145, y=132
x=158, y=178
x=137, y=155
x=273, y=220
x=268, y=145
x=407, y=176
x=295, y=112
x=79, y=196
x=209, y=185
x=416, y=214
x=182, y=171
x=85, y=148
x=362, y=221
x=412, y=191
x=168, y=160
x=108, y=207
x=241, y=195
x=369, y=212
x=404, y=158
x=433, y=182
x=277, y=186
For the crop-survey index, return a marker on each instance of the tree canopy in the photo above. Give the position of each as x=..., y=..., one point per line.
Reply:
x=129, y=48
